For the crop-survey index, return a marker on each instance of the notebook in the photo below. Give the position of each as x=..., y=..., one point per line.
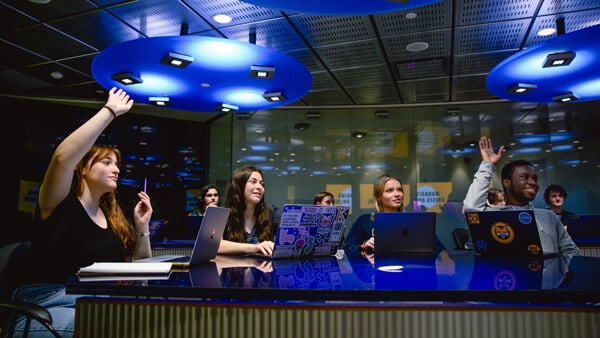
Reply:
x=405, y=232
x=504, y=232
x=308, y=231
x=207, y=242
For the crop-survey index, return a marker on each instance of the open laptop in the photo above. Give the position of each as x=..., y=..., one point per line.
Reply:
x=504, y=232
x=308, y=231
x=192, y=224
x=207, y=242
x=405, y=232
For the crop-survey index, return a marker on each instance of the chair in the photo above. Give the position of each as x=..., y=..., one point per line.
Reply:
x=9, y=309
x=461, y=238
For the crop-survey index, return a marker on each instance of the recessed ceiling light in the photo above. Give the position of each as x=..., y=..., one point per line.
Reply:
x=56, y=75
x=417, y=46
x=546, y=31
x=222, y=18
x=559, y=59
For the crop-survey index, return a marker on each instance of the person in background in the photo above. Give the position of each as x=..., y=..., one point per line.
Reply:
x=555, y=196
x=388, y=195
x=209, y=196
x=520, y=184
x=77, y=220
x=324, y=198
x=249, y=229
x=495, y=197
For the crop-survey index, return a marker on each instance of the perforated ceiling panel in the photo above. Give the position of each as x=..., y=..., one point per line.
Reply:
x=353, y=60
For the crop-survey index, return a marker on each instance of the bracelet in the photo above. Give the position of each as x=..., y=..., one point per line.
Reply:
x=143, y=234
x=111, y=111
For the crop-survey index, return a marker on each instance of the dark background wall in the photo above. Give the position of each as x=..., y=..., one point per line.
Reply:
x=171, y=154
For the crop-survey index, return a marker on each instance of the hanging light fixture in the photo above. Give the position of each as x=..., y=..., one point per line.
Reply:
x=561, y=69
x=216, y=71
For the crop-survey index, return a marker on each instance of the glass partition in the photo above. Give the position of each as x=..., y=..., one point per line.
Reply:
x=433, y=149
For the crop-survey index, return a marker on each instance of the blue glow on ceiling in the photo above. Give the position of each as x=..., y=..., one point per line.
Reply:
x=219, y=73
x=528, y=150
x=533, y=138
x=340, y=7
x=582, y=76
x=564, y=147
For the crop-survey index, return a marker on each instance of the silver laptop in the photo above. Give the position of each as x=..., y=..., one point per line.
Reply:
x=308, y=231
x=207, y=242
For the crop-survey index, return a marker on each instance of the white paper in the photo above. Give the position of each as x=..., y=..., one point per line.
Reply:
x=126, y=268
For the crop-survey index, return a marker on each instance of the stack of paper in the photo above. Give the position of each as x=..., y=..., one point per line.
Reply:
x=125, y=271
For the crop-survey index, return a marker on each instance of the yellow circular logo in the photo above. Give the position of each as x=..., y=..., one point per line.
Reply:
x=502, y=232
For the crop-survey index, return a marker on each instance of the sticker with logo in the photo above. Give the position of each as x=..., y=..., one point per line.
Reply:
x=502, y=232
x=534, y=249
x=525, y=218
x=473, y=218
x=505, y=280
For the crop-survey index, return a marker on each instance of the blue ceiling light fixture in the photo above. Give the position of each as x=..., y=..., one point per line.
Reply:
x=561, y=69
x=342, y=7
x=218, y=72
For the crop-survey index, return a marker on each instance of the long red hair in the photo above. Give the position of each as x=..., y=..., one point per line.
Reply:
x=120, y=225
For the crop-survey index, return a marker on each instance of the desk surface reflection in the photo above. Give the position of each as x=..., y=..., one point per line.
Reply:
x=450, y=276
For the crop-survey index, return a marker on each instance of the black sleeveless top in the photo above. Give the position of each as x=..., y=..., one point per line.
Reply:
x=67, y=240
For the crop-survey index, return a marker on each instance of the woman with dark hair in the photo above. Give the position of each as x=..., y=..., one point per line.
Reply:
x=249, y=229
x=324, y=198
x=209, y=196
x=495, y=197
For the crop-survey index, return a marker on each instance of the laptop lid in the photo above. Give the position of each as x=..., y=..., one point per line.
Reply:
x=192, y=224
x=309, y=230
x=504, y=232
x=207, y=242
x=405, y=232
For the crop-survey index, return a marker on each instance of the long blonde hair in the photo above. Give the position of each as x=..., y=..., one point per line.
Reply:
x=120, y=225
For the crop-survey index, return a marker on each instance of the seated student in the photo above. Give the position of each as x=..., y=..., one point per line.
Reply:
x=324, y=198
x=555, y=196
x=495, y=197
x=249, y=229
x=77, y=219
x=209, y=196
x=520, y=183
x=388, y=195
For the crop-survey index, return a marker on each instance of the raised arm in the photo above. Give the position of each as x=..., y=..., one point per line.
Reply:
x=477, y=194
x=59, y=175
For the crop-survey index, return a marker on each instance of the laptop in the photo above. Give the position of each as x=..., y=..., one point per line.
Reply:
x=308, y=231
x=504, y=232
x=207, y=242
x=405, y=232
x=192, y=224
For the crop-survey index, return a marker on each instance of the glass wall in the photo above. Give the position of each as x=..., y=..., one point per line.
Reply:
x=432, y=149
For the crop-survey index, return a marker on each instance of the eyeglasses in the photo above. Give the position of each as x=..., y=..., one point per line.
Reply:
x=253, y=180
